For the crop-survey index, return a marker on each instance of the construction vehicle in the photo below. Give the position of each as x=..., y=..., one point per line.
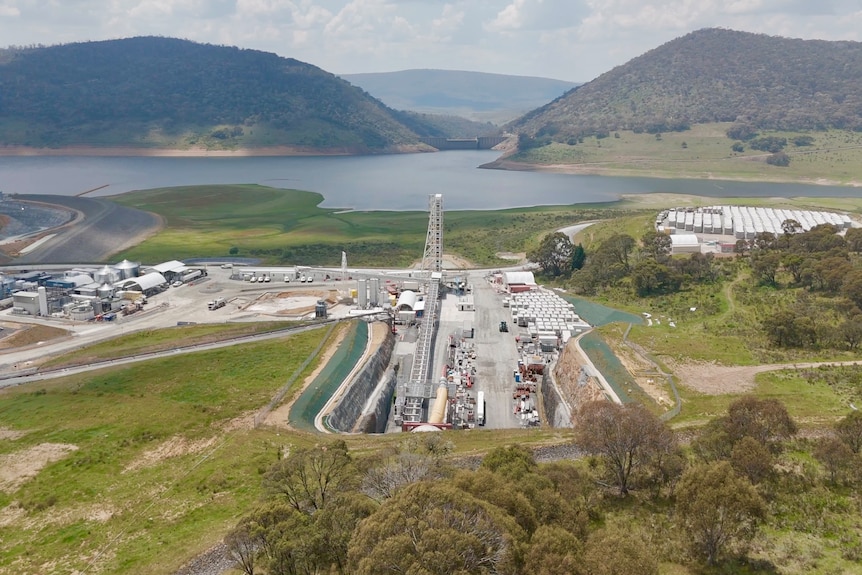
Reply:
x=216, y=303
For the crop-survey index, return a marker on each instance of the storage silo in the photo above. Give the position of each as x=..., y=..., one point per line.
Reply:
x=106, y=274
x=374, y=294
x=363, y=293
x=128, y=269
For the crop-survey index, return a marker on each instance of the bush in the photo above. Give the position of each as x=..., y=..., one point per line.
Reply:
x=741, y=132
x=772, y=144
x=778, y=159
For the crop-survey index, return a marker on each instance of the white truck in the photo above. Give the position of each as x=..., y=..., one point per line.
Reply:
x=480, y=408
x=216, y=303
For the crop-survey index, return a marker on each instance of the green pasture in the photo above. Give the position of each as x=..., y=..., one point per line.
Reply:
x=704, y=151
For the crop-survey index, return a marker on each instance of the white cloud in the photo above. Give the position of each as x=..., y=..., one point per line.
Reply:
x=9, y=11
x=571, y=39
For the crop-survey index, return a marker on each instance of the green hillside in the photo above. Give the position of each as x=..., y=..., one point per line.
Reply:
x=713, y=75
x=169, y=93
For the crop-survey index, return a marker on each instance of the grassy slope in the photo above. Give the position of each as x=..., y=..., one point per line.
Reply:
x=153, y=514
x=836, y=156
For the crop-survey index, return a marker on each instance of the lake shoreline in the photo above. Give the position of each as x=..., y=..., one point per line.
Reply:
x=135, y=152
x=593, y=170
x=501, y=163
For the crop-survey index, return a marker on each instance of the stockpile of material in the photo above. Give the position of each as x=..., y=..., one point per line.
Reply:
x=546, y=316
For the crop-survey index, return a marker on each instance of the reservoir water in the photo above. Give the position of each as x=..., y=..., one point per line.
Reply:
x=392, y=182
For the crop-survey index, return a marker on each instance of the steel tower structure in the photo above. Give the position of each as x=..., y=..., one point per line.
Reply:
x=432, y=260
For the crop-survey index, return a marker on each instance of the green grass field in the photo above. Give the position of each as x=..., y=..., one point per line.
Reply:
x=705, y=152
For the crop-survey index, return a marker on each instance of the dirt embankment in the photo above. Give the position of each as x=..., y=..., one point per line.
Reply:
x=575, y=386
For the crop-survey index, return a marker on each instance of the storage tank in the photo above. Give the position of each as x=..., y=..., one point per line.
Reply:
x=320, y=309
x=128, y=269
x=82, y=312
x=106, y=291
x=438, y=411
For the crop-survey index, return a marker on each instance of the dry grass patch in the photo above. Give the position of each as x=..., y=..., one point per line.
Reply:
x=11, y=434
x=18, y=467
x=176, y=446
x=26, y=335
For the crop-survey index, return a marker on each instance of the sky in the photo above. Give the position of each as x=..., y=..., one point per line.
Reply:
x=574, y=40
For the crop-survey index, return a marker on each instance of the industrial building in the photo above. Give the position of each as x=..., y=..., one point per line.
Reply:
x=515, y=282
x=744, y=222
x=722, y=226
x=82, y=293
x=684, y=244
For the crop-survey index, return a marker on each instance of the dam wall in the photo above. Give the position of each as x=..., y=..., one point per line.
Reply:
x=480, y=143
x=345, y=416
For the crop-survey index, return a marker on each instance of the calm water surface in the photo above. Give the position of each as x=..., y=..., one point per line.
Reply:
x=398, y=182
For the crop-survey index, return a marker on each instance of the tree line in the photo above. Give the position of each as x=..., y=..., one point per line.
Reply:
x=818, y=271
x=637, y=496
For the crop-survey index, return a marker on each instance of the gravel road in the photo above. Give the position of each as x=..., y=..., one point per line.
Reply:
x=103, y=229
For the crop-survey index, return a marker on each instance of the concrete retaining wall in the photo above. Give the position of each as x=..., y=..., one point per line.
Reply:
x=346, y=414
x=374, y=421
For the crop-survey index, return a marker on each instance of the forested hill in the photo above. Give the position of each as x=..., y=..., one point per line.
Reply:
x=164, y=92
x=714, y=75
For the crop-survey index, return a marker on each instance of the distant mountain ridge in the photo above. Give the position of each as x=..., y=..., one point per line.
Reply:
x=714, y=75
x=164, y=92
x=476, y=95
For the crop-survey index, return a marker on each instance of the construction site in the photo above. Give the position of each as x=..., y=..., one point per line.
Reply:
x=460, y=349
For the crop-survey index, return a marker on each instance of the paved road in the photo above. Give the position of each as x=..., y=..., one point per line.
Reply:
x=102, y=229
